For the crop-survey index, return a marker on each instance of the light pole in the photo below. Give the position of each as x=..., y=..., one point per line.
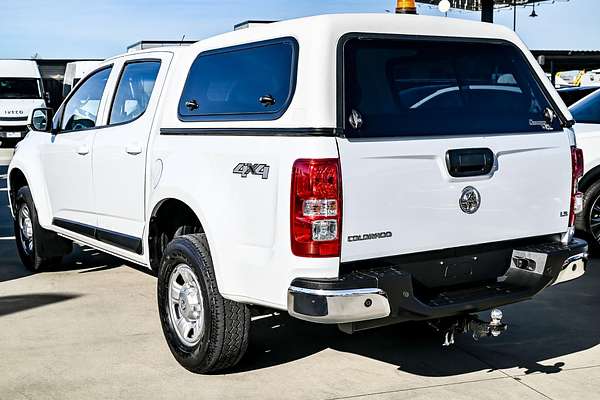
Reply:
x=515, y=15
x=487, y=11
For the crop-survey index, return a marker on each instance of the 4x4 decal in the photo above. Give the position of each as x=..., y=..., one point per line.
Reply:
x=245, y=169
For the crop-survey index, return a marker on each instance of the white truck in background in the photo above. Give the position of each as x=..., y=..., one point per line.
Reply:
x=21, y=90
x=74, y=72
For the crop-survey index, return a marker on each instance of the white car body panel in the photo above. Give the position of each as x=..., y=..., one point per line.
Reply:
x=419, y=203
x=247, y=221
x=588, y=140
x=64, y=162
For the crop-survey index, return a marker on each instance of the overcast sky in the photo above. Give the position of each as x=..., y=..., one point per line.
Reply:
x=102, y=28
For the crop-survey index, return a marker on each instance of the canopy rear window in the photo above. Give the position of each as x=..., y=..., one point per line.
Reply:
x=430, y=87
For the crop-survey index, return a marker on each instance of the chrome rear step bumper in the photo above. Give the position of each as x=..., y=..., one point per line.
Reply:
x=389, y=294
x=337, y=306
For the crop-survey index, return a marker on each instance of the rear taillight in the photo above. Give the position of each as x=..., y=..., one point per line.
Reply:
x=316, y=208
x=576, y=195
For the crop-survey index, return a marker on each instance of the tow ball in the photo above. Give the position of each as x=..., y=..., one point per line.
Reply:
x=470, y=324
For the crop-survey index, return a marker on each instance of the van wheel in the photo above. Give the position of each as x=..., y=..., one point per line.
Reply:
x=29, y=235
x=204, y=331
x=589, y=219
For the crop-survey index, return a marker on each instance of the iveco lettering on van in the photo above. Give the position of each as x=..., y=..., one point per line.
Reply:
x=359, y=170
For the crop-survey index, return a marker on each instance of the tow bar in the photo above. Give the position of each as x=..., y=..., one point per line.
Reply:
x=470, y=324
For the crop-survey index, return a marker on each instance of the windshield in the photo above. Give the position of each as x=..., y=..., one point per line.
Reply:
x=588, y=109
x=430, y=87
x=20, y=88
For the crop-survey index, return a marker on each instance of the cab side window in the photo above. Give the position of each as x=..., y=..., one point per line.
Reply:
x=134, y=91
x=81, y=110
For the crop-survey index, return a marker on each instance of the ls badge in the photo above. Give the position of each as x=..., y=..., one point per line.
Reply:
x=470, y=200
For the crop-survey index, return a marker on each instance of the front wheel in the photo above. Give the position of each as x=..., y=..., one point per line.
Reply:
x=30, y=236
x=205, y=332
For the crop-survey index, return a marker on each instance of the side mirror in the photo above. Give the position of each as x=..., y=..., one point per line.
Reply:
x=41, y=119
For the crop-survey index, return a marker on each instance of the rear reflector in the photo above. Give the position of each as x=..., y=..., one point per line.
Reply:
x=316, y=208
x=577, y=162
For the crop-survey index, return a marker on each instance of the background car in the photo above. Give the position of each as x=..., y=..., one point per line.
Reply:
x=572, y=95
x=587, y=129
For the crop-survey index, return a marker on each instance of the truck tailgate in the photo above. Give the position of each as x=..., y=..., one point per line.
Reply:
x=399, y=196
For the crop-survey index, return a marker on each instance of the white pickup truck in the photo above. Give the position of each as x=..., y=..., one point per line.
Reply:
x=359, y=170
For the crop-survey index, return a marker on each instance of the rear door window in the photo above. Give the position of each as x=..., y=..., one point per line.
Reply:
x=249, y=82
x=134, y=91
x=408, y=87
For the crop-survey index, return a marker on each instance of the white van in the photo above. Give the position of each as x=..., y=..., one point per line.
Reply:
x=74, y=72
x=21, y=90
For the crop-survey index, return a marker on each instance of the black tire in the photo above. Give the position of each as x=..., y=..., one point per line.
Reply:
x=47, y=247
x=591, y=198
x=226, y=323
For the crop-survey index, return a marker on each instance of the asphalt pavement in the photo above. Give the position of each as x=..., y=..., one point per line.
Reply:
x=90, y=330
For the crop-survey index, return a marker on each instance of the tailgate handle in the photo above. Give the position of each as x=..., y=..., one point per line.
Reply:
x=469, y=162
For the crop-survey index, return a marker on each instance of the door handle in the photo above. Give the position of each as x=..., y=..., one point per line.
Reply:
x=83, y=150
x=469, y=162
x=133, y=149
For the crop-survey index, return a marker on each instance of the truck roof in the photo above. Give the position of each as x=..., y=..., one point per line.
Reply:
x=19, y=69
x=332, y=26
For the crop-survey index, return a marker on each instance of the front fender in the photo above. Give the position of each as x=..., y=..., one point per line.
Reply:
x=27, y=160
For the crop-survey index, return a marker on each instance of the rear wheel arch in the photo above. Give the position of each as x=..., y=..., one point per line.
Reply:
x=170, y=217
x=590, y=186
x=590, y=177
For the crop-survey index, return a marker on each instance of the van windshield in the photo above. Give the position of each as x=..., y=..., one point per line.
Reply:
x=432, y=87
x=20, y=88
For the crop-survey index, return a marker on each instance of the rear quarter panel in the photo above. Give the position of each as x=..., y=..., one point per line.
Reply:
x=246, y=220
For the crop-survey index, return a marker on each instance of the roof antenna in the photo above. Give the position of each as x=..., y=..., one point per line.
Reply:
x=181, y=41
